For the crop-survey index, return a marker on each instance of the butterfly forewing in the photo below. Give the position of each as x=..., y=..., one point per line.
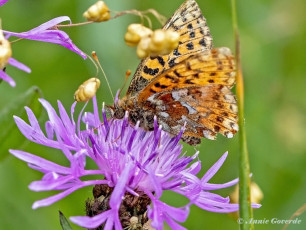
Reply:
x=214, y=66
x=195, y=37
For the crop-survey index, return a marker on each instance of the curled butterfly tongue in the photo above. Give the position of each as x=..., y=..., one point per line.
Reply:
x=190, y=85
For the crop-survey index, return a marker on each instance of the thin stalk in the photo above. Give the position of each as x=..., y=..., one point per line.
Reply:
x=245, y=210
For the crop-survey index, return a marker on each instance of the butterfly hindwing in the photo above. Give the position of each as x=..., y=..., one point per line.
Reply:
x=206, y=110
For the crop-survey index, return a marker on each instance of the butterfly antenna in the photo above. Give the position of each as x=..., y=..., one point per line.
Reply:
x=95, y=57
x=127, y=74
x=95, y=64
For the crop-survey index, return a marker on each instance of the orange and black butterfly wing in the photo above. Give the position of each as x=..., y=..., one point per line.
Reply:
x=195, y=37
x=196, y=92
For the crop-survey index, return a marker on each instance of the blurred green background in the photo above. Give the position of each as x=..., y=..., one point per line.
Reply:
x=273, y=48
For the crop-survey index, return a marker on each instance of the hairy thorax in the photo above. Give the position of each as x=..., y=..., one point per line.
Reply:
x=135, y=113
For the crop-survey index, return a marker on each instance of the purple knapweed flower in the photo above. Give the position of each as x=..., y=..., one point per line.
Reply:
x=47, y=33
x=135, y=166
x=2, y=2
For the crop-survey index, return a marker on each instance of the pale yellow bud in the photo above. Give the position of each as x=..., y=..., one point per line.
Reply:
x=135, y=32
x=5, y=51
x=158, y=37
x=256, y=194
x=163, y=42
x=87, y=90
x=173, y=39
x=98, y=12
x=143, y=47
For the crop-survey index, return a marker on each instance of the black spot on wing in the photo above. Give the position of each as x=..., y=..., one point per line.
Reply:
x=216, y=128
x=172, y=62
x=152, y=91
x=173, y=79
x=188, y=81
x=177, y=73
x=202, y=42
x=176, y=52
x=190, y=46
x=150, y=71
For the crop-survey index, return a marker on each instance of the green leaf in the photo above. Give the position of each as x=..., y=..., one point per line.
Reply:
x=10, y=136
x=64, y=222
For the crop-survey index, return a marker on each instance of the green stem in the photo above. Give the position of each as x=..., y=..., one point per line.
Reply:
x=245, y=210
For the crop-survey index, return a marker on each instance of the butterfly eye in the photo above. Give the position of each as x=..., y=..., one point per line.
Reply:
x=87, y=90
x=5, y=51
x=98, y=12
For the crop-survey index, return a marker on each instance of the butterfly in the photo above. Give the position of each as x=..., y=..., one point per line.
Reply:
x=190, y=86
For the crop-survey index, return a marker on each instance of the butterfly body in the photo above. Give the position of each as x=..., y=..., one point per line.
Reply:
x=190, y=86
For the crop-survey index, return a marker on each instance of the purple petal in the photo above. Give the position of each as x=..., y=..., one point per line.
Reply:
x=49, y=130
x=2, y=2
x=42, y=163
x=208, y=186
x=156, y=184
x=33, y=121
x=49, y=24
x=45, y=33
x=34, y=135
x=66, y=119
x=214, y=169
x=178, y=214
x=19, y=65
x=253, y=205
x=91, y=222
x=52, y=199
x=96, y=113
x=173, y=225
x=7, y=78
x=49, y=184
x=119, y=189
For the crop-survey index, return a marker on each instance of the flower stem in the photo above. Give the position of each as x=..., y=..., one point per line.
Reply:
x=245, y=210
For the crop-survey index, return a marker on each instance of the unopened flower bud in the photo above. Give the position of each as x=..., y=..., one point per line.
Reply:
x=135, y=32
x=163, y=42
x=172, y=38
x=143, y=47
x=87, y=90
x=255, y=191
x=98, y=12
x=5, y=51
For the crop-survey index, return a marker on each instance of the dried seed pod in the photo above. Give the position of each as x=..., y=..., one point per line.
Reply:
x=87, y=90
x=98, y=12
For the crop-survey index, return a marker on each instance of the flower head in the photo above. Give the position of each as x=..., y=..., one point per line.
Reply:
x=46, y=33
x=136, y=165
